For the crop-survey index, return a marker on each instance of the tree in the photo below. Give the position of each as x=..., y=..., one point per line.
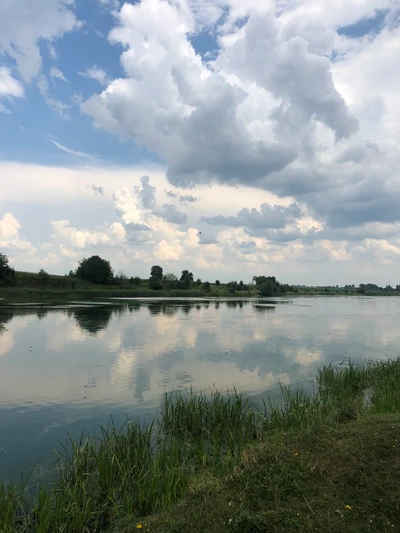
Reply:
x=198, y=282
x=121, y=278
x=207, y=286
x=217, y=283
x=96, y=270
x=155, y=284
x=156, y=273
x=7, y=274
x=232, y=286
x=171, y=281
x=44, y=278
x=241, y=286
x=186, y=279
x=267, y=289
x=135, y=281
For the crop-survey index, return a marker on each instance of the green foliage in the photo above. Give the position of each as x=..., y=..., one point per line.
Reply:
x=43, y=278
x=156, y=273
x=170, y=282
x=207, y=286
x=135, y=281
x=96, y=270
x=155, y=284
x=186, y=279
x=7, y=274
x=198, y=282
x=267, y=289
x=287, y=466
x=217, y=283
x=232, y=286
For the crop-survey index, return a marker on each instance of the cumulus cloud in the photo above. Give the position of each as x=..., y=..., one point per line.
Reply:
x=286, y=104
x=146, y=193
x=268, y=216
x=23, y=23
x=10, y=238
x=171, y=214
x=64, y=233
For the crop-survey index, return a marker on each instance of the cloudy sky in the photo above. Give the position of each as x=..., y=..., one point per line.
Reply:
x=231, y=138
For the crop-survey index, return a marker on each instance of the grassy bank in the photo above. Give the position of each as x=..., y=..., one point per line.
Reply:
x=211, y=462
x=25, y=294
x=28, y=288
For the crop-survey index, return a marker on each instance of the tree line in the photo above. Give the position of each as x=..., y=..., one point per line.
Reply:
x=99, y=271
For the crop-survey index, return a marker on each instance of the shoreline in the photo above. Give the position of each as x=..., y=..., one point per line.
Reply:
x=166, y=476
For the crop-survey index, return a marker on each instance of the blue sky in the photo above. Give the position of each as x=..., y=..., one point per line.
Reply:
x=234, y=104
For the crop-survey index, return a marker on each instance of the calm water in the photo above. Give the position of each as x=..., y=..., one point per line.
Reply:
x=66, y=368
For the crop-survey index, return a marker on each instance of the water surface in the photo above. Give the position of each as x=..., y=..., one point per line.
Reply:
x=69, y=367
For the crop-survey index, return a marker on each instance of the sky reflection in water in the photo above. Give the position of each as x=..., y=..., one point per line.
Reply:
x=68, y=368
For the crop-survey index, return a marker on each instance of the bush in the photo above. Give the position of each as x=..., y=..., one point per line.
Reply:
x=267, y=289
x=155, y=284
x=96, y=270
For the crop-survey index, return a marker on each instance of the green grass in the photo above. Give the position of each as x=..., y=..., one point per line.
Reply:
x=214, y=462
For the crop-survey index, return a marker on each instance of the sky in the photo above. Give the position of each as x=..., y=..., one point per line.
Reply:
x=225, y=137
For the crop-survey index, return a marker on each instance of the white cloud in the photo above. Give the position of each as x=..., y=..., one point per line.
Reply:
x=135, y=236
x=4, y=110
x=23, y=23
x=9, y=86
x=271, y=111
x=56, y=74
x=10, y=238
x=59, y=106
x=105, y=237
x=95, y=73
x=68, y=150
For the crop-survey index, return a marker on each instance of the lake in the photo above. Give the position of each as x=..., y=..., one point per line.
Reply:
x=67, y=368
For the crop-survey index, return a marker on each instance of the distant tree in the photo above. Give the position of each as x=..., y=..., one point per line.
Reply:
x=155, y=284
x=156, y=272
x=260, y=280
x=71, y=274
x=198, y=282
x=44, y=278
x=96, y=270
x=241, y=286
x=217, y=283
x=267, y=289
x=156, y=278
x=7, y=274
x=121, y=278
x=361, y=289
x=170, y=281
x=232, y=286
x=135, y=281
x=207, y=286
x=186, y=279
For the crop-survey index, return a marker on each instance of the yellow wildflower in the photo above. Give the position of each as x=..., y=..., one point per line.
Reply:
x=139, y=526
x=296, y=454
x=349, y=507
